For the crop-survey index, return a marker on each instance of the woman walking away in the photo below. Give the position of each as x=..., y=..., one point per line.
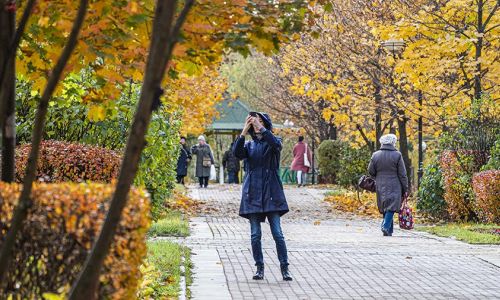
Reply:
x=182, y=161
x=388, y=169
x=262, y=196
x=204, y=160
x=299, y=163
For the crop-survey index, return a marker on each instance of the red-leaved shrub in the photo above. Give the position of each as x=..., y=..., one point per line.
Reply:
x=63, y=161
x=486, y=187
x=458, y=168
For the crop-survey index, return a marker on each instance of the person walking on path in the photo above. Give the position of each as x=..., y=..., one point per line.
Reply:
x=262, y=194
x=182, y=161
x=299, y=163
x=388, y=169
x=232, y=164
x=204, y=160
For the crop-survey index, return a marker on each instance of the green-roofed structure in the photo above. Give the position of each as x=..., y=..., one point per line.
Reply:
x=232, y=115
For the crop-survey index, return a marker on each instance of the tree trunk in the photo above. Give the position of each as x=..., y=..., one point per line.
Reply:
x=332, y=132
x=403, y=145
x=479, y=48
x=378, y=116
x=162, y=42
x=420, y=141
x=7, y=92
x=21, y=210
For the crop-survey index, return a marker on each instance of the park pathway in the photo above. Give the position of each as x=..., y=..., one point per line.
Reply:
x=332, y=256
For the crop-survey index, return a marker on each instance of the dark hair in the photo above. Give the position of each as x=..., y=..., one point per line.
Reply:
x=301, y=138
x=183, y=138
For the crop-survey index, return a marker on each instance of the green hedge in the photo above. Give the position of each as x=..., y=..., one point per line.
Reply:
x=431, y=192
x=329, y=154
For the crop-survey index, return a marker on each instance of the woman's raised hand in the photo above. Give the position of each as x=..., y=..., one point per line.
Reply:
x=248, y=124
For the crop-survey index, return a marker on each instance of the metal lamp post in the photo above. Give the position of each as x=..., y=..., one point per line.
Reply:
x=395, y=46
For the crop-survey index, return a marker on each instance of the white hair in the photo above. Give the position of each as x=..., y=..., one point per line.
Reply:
x=201, y=138
x=388, y=139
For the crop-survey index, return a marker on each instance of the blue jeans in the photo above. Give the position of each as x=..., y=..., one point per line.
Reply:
x=388, y=222
x=256, y=235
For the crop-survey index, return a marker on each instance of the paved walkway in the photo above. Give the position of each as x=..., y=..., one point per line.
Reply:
x=332, y=256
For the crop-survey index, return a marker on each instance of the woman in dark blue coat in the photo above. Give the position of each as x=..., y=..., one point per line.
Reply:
x=182, y=161
x=262, y=195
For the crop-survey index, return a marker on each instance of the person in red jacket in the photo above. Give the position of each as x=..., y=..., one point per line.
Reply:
x=300, y=164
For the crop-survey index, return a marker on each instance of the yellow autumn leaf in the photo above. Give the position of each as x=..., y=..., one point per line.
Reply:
x=96, y=113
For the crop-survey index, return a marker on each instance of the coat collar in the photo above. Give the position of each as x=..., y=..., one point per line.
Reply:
x=388, y=147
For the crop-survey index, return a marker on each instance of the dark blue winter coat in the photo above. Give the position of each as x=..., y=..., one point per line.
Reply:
x=262, y=188
x=182, y=161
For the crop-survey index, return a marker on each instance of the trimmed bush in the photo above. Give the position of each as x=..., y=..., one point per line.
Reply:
x=458, y=168
x=329, y=154
x=431, y=192
x=354, y=162
x=63, y=161
x=58, y=233
x=486, y=187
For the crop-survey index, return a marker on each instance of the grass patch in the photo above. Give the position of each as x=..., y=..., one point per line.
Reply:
x=173, y=224
x=162, y=270
x=188, y=268
x=336, y=192
x=467, y=232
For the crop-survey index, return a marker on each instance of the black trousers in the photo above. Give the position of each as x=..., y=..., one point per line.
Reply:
x=180, y=179
x=203, y=181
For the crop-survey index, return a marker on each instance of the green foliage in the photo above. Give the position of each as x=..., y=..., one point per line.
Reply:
x=494, y=160
x=354, y=162
x=158, y=161
x=329, y=159
x=478, y=130
x=172, y=225
x=340, y=163
x=431, y=192
x=467, y=232
x=71, y=118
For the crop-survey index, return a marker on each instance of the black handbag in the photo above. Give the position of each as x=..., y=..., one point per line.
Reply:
x=367, y=183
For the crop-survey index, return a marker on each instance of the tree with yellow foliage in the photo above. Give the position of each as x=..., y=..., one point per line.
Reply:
x=451, y=54
x=260, y=81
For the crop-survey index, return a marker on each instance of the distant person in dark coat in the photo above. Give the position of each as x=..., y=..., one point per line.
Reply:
x=204, y=160
x=183, y=161
x=232, y=164
x=262, y=195
x=388, y=169
x=298, y=163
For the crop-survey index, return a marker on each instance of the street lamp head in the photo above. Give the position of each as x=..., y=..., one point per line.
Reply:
x=393, y=45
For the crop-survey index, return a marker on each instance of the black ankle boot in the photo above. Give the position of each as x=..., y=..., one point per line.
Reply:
x=286, y=273
x=259, y=274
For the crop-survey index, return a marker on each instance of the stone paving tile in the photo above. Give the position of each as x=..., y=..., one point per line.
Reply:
x=339, y=257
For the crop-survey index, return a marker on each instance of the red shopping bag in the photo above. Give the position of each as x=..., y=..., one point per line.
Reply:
x=405, y=215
